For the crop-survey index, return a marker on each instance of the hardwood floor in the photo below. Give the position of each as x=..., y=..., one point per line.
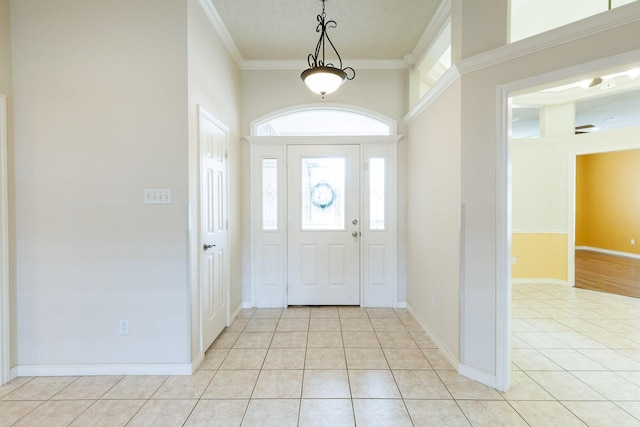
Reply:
x=607, y=273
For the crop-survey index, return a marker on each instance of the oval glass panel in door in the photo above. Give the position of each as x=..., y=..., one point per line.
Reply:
x=323, y=184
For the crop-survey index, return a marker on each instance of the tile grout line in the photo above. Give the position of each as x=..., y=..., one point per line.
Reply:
x=511, y=402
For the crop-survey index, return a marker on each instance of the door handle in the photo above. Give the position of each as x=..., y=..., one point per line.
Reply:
x=355, y=234
x=205, y=247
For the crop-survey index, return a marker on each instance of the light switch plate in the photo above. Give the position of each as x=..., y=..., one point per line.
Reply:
x=157, y=196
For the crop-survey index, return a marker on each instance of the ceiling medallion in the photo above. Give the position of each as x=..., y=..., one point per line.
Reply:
x=324, y=77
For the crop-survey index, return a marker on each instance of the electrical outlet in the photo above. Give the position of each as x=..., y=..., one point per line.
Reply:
x=124, y=327
x=433, y=301
x=514, y=260
x=633, y=241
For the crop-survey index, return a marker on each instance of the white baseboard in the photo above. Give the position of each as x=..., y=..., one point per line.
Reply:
x=608, y=252
x=479, y=376
x=86, y=370
x=13, y=373
x=195, y=364
x=246, y=304
x=443, y=348
x=472, y=373
x=401, y=304
x=539, y=281
x=235, y=313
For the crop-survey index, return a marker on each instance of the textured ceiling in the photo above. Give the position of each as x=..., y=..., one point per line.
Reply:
x=285, y=29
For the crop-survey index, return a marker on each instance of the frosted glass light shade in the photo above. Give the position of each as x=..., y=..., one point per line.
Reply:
x=323, y=80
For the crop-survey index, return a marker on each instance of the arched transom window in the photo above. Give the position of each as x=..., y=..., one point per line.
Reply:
x=324, y=121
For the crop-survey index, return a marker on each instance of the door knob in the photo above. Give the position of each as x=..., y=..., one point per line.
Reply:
x=205, y=247
x=355, y=234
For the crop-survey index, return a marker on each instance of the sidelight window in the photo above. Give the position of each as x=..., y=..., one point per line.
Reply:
x=270, y=194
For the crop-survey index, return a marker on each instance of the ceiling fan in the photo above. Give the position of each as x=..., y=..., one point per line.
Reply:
x=583, y=129
x=595, y=82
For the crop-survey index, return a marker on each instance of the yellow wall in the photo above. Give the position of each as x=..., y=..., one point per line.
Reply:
x=539, y=255
x=608, y=201
x=581, y=193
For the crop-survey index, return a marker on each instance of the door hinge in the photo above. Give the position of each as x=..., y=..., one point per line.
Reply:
x=226, y=154
x=226, y=224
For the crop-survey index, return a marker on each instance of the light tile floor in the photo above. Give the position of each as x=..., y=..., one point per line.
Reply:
x=576, y=362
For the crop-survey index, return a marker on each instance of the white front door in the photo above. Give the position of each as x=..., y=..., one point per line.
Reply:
x=324, y=225
x=214, y=254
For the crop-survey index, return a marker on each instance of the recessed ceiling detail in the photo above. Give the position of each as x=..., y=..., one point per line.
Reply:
x=607, y=101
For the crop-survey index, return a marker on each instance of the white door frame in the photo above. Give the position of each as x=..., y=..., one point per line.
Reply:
x=504, y=199
x=5, y=331
x=268, y=247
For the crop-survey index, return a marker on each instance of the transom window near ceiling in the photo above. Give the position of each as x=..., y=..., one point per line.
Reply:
x=435, y=62
x=323, y=122
x=527, y=18
x=531, y=17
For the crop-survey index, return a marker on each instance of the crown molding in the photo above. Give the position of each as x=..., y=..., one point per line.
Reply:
x=301, y=64
x=594, y=25
x=435, y=26
x=219, y=26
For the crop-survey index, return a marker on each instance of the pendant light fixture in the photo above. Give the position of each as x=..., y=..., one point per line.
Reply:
x=323, y=77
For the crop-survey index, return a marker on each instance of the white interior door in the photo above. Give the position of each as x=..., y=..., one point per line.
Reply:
x=324, y=225
x=214, y=254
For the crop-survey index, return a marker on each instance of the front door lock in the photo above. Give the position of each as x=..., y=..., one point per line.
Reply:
x=205, y=247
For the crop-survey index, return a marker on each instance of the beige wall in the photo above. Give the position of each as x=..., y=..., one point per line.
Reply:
x=214, y=84
x=100, y=114
x=540, y=184
x=6, y=88
x=5, y=47
x=433, y=217
x=480, y=169
x=478, y=27
x=264, y=92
